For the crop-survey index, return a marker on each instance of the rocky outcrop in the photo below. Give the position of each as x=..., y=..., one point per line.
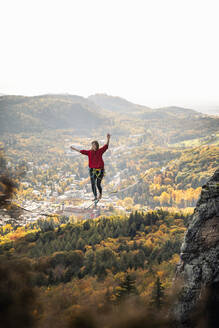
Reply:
x=198, y=269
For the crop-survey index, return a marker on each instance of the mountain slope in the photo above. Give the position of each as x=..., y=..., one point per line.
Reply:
x=186, y=169
x=91, y=115
x=116, y=104
x=175, y=110
x=27, y=114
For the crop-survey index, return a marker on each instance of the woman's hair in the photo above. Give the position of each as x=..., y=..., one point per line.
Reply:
x=96, y=143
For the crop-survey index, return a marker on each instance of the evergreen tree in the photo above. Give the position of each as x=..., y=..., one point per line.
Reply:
x=157, y=298
x=68, y=274
x=89, y=261
x=126, y=288
x=68, y=246
x=132, y=230
x=123, y=263
x=80, y=244
x=139, y=259
x=51, y=279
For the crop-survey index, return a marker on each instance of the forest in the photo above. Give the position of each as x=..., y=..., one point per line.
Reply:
x=106, y=259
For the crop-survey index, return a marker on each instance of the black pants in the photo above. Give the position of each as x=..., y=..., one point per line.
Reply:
x=96, y=177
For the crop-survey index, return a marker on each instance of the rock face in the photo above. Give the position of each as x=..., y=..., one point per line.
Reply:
x=199, y=262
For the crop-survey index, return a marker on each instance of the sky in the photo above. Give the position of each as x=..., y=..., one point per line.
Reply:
x=151, y=52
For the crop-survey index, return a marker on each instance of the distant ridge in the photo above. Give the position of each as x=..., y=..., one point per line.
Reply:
x=37, y=113
x=177, y=109
x=83, y=115
x=115, y=103
x=121, y=105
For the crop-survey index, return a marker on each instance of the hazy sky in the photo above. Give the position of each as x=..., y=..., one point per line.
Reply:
x=155, y=53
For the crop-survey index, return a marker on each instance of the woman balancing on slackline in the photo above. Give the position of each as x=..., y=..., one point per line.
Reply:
x=96, y=165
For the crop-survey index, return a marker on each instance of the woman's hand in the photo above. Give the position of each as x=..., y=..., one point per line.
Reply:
x=108, y=139
x=72, y=148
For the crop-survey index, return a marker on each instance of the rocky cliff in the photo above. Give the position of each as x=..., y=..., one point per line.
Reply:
x=198, y=270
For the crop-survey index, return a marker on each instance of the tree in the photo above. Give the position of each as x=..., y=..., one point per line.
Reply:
x=139, y=259
x=126, y=288
x=80, y=244
x=105, y=259
x=157, y=298
x=132, y=230
x=89, y=261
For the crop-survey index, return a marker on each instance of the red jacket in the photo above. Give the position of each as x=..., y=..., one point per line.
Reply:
x=95, y=157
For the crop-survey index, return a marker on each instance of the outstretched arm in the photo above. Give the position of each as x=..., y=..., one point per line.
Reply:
x=82, y=151
x=105, y=147
x=73, y=148
x=108, y=139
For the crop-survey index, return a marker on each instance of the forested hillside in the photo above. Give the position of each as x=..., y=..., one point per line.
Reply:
x=104, y=259
x=86, y=116
x=28, y=114
x=117, y=104
x=174, y=177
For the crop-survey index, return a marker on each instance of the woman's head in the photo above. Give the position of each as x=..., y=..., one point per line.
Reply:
x=94, y=145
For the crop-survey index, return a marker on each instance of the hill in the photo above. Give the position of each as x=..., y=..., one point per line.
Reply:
x=166, y=124
x=89, y=266
x=179, y=111
x=174, y=177
x=116, y=104
x=28, y=114
x=114, y=243
x=90, y=116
